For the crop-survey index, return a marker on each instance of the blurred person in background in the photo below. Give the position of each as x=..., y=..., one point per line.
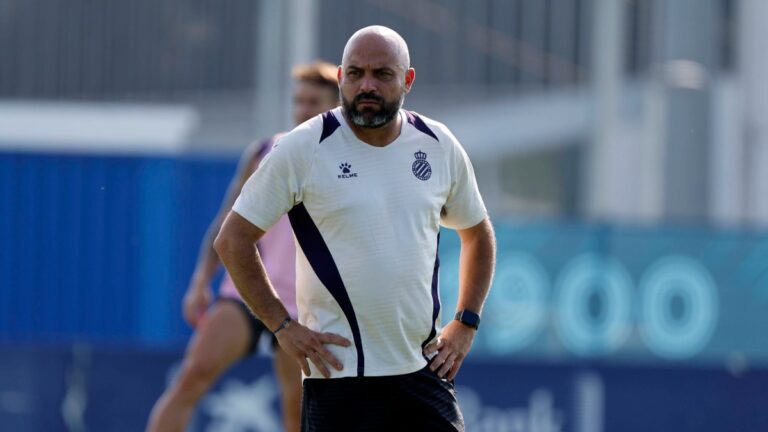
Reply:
x=366, y=187
x=225, y=330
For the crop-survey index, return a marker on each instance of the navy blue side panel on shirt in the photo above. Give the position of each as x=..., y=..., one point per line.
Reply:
x=321, y=260
x=330, y=124
x=419, y=124
x=435, y=294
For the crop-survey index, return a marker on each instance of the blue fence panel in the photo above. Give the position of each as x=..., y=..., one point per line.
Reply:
x=100, y=248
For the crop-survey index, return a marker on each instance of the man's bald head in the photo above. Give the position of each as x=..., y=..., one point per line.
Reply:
x=378, y=38
x=374, y=76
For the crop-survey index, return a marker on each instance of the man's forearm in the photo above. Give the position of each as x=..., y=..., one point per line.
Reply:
x=477, y=263
x=207, y=259
x=244, y=265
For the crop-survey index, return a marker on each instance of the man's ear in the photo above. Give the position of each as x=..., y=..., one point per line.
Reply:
x=410, y=77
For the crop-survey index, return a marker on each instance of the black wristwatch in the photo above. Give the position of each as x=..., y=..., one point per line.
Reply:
x=468, y=318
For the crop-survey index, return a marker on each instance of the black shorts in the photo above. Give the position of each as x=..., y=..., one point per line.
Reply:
x=259, y=331
x=419, y=401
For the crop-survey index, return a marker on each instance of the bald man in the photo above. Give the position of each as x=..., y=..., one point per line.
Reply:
x=366, y=187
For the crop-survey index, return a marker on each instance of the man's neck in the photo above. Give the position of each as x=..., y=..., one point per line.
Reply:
x=377, y=137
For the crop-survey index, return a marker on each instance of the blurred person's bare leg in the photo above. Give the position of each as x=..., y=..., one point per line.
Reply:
x=289, y=379
x=222, y=339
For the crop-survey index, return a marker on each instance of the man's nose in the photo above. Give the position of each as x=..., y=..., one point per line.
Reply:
x=367, y=84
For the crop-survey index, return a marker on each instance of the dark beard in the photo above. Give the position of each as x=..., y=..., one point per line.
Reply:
x=368, y=118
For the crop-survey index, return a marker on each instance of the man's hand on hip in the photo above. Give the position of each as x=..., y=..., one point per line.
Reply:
x=452, y=348
x=304, y=344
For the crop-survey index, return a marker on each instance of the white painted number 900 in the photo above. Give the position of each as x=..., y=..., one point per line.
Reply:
x=593, y=309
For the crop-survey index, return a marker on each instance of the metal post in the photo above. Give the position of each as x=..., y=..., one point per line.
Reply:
x=286, y=32
x=686, y=57
x=753, y=16
x=606, y=83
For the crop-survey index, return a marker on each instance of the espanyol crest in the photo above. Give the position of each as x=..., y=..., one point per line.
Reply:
x=421, y=168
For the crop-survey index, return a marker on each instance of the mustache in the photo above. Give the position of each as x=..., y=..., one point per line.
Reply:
x=370, y=96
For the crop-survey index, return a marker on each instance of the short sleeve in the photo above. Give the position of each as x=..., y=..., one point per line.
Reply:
x=275, y=187
x=464, y=207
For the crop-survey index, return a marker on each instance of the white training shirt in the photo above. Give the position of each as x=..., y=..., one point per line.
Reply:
x=366, y=222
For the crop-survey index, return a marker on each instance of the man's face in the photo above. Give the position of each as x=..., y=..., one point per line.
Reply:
x=310, y=99
x=372, y=83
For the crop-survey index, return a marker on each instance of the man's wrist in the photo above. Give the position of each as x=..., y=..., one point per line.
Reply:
x=468, y=318
x=283, y=325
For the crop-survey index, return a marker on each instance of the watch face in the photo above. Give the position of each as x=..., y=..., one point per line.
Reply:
x=471, y=320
